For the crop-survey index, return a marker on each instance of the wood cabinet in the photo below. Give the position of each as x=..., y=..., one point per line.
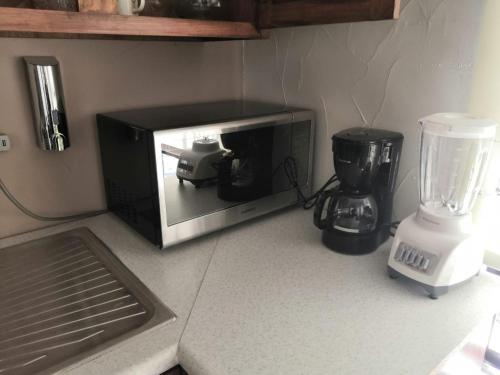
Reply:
x=248, y=17
x=281, y=13
x=51, y=23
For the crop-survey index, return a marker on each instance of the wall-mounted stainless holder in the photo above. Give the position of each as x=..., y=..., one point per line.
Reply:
x=48, y=102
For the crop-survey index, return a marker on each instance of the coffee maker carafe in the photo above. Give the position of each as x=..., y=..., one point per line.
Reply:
x=245, y=171
x=356, y=215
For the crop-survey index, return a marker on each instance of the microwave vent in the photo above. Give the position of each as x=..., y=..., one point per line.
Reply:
x=122, y=201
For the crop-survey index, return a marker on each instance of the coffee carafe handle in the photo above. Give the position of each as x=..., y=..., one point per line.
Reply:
x=324, y=198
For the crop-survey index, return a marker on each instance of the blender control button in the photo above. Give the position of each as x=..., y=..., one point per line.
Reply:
x=408, y=256
x=400, y=256
x=425, y=264
x=411, y=257
x=418, y=260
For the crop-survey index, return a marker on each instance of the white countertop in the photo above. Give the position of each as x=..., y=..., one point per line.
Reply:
x=174, y=276
x=274, y=300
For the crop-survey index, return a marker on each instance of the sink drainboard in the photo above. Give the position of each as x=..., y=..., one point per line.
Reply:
x=65, y=297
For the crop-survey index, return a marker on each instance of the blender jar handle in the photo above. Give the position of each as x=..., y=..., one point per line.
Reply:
x=324, y=198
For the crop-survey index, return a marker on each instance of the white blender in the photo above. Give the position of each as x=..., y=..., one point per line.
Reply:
x=436, y=246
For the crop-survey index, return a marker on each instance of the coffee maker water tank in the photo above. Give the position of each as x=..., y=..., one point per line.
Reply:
x=359, y=153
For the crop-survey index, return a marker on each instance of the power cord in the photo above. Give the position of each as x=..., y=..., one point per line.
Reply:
x=291, y=171
x=394, y=225
x=31, y=214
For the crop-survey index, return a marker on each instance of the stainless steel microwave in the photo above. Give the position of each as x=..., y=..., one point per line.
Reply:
x=176, y=172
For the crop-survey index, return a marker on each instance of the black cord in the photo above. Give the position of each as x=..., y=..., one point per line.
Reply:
x=313, y=199
x=394, y=225
x=291, y=171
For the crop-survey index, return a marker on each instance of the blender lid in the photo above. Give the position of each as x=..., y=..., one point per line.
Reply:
x=458, y=125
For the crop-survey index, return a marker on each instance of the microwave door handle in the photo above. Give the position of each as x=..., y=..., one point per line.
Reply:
x=172, y=151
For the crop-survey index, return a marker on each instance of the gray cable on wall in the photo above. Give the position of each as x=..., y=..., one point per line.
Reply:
x=31, y=214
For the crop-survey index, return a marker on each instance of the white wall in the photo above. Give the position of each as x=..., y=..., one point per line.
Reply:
x=485, y=100
x=383, y=74
x=97, y=76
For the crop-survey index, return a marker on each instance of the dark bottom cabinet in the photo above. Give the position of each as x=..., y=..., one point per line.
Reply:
x=177, y=370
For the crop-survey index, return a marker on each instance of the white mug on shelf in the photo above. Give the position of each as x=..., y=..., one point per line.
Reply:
x=130, y=7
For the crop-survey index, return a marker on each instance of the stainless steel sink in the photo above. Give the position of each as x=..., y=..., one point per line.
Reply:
x=65, y=297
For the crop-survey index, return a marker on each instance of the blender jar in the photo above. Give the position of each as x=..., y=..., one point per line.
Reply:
x=453, y=157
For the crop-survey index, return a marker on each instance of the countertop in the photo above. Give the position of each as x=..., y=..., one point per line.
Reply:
x=174, y=276
x=266, y=297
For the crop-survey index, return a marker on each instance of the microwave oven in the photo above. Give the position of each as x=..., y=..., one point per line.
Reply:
x=176, y=172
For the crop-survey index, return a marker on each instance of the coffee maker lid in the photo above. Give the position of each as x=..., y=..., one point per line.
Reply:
x=367, y=135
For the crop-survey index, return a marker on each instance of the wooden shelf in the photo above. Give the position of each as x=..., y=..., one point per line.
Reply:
x=35, y=22
x=283, y=13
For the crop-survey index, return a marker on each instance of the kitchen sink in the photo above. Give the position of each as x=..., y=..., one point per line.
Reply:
x=66, y=297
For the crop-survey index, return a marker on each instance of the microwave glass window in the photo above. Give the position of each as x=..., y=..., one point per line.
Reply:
x=206, y=171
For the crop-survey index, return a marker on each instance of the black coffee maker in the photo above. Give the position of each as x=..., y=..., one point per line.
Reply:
x=245, y=172
x=356, y=215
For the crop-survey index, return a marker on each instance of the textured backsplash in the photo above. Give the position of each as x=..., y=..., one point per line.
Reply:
x=384, y=74
x=97, y=76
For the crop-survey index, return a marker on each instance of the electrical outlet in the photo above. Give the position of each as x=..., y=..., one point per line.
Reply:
x=4, y=142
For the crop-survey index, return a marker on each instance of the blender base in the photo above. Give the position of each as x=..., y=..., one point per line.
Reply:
x=434, y=291
x=435, y=253
x=354, y=244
